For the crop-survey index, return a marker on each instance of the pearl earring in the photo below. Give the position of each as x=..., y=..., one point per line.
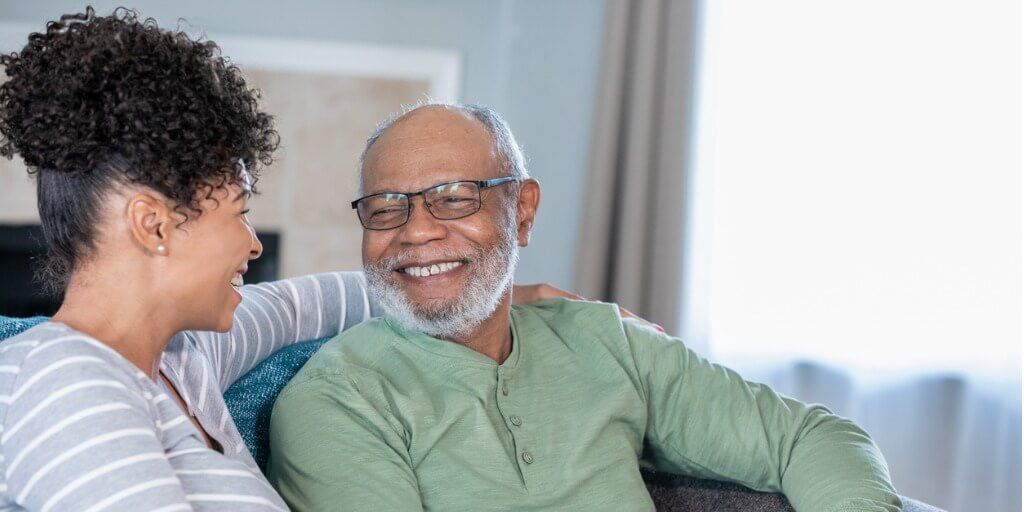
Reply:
x=161, y=249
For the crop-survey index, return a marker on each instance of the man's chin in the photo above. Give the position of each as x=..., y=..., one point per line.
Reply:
x=448, y=304
x=431, y=307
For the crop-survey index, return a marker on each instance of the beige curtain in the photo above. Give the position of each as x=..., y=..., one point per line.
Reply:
x=631, y=247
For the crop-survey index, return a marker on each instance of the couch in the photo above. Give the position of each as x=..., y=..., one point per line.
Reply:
x=251, y=400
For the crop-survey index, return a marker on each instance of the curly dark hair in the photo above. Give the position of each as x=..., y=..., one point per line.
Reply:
x=97, y=101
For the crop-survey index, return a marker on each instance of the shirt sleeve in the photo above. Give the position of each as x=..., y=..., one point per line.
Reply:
x=331, y=446
x=79, y=436
x=277, y=314
x=705, y=420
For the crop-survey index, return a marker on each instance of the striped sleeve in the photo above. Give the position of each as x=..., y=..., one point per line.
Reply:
x=277, y=314
x=79, y=435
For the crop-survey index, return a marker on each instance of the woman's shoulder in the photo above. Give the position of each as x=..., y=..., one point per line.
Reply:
x=52, y=354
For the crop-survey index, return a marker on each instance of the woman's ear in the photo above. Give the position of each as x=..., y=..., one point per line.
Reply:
x=149, y=221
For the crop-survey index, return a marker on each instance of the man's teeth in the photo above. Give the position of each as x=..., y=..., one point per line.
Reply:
x=432, y=270
x=237, y=280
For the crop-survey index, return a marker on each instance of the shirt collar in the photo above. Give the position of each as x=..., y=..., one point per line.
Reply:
x=452, y=350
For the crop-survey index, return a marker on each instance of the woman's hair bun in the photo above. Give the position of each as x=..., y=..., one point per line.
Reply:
x=95, y=100
x=90, y=87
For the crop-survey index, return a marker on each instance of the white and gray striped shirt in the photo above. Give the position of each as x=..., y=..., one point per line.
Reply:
x=81, y=428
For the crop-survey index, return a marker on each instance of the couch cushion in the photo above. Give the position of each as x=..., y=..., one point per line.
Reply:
x=251, y=398
x=10, y=327
x=674, y=492
x=683, y=493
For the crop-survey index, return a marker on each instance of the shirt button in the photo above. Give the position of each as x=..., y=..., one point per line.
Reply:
x=504, y=388
x=528, y=457
x=516, y=420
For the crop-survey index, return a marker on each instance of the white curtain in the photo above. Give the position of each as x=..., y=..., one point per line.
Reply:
x=855, y=225
x=953, y=441
x=638, y=159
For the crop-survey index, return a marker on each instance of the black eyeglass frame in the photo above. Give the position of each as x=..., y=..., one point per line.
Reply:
x=481, y=185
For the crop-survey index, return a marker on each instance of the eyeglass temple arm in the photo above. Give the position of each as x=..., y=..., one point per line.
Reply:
x=495, y=182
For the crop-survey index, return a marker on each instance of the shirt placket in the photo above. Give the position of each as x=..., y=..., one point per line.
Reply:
x=516, y=420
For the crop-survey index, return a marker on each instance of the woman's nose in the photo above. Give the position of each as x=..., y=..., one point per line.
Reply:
x=256, y=249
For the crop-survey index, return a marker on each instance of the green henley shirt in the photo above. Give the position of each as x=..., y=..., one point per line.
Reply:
x=386, y=419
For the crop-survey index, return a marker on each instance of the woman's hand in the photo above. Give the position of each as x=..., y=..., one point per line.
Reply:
x=534, y=292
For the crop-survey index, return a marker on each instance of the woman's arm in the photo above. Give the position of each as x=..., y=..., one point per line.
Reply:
x=277, y=314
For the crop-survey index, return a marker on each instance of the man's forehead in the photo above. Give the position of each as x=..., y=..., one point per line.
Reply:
x=436, y=129
x=434, y=116
x=427, y=148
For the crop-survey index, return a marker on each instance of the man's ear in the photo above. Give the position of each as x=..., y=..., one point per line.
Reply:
x=150, y=220
x=529, y=200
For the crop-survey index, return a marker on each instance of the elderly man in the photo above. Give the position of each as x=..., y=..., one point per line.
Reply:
x=458, y=400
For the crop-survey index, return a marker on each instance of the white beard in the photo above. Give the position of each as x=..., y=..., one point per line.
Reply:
x=490, y=279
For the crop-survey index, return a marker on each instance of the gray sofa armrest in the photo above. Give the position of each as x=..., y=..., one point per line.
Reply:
x=681, y=493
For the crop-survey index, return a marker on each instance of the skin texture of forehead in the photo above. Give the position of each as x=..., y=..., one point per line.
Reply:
x=419, y=147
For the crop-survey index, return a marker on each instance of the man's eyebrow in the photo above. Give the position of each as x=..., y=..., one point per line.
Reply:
x=244, y=193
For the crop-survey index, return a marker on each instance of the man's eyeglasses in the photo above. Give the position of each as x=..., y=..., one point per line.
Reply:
x=447, y=201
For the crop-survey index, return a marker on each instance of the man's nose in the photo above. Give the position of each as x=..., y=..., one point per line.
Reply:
x=421, y=227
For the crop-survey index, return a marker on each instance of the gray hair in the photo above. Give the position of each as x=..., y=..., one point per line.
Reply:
x=511, y=155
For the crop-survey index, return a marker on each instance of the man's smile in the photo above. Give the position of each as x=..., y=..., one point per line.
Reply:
x=430, y=269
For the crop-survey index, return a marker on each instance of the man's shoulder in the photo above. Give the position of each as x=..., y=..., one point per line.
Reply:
x=354, y=351
x=590, y=325
x=586, y=326
x=561, y=314
x=569, y=309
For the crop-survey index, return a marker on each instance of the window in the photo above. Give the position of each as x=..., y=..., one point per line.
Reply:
x=858, y=184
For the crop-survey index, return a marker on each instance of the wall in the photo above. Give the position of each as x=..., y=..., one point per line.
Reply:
x=534, y=61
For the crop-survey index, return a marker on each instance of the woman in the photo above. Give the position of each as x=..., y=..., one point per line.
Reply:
x=145, y=145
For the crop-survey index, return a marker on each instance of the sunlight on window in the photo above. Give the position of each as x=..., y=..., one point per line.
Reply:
x=863, y=164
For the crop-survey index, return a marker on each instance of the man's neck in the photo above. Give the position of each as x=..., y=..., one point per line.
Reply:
x=493, y=337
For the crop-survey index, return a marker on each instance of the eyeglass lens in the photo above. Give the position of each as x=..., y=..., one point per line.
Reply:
x=445, y=202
